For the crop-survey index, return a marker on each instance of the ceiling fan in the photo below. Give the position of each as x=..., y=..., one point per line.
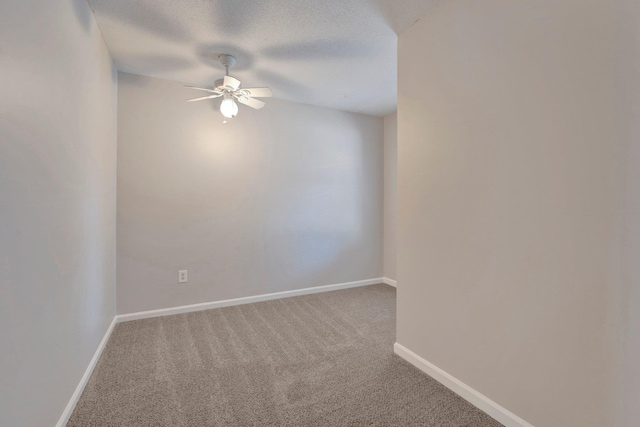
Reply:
x=230, y=89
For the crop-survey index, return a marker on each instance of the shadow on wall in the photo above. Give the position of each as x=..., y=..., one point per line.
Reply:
x=319, y=193
x=83, y=13
x=325, y=212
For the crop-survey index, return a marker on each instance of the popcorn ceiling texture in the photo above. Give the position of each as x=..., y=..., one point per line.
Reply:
x=331, y=53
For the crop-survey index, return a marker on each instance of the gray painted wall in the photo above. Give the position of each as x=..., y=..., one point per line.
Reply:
x=626, y=308
x=283, y=198
x=57, y=204
x=518, y=208
x=390, y=194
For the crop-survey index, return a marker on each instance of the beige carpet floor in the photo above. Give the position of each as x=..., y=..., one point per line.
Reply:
x=315, y=360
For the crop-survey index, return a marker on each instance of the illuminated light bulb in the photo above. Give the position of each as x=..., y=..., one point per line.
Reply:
x=228, y=107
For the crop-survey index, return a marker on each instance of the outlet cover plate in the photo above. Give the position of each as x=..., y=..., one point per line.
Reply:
x=182, y=276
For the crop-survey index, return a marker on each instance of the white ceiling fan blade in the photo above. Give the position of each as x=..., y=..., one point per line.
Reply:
x=253, y=103
x=217, y=95
x=231, y=83
x=258, y=92
x=202, y=88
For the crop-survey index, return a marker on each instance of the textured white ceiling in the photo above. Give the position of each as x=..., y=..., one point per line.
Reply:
x=332, y=53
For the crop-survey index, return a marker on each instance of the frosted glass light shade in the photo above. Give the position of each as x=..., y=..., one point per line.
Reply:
x=228, y=108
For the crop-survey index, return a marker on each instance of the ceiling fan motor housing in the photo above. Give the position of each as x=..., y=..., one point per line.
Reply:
x=220, y=84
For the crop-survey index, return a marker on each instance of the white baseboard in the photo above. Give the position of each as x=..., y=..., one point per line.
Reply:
x=85, y=378
x=244, y=300
x=390, y=282
x=477, y=399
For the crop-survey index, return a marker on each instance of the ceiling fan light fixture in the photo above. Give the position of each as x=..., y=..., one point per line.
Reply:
x=228, y=107
x=231, y=89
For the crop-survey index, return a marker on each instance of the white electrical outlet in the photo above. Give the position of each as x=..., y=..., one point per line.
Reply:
x=182, y=276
